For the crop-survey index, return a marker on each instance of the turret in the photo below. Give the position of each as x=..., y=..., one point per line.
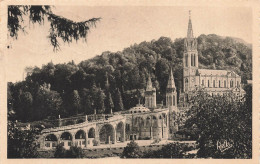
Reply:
x=171, y=93
x=150, y=94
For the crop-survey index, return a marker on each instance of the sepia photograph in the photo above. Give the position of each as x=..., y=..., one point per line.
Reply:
x=129, y=82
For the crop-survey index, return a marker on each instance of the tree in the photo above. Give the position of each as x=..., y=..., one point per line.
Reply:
x=221, y=120
x=119, y=106
x=76, y=106
x=26, y=106
x=132, y=150
x=21, y=143
x=99, y=101
x=47, y=103
x=75, y=152
x=63, y=28
x=171, y=150
x=109, y=102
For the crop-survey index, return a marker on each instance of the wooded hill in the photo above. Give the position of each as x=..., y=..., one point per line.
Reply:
x=117, y=79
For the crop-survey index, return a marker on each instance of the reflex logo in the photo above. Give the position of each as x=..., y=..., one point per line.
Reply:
x=223, y=145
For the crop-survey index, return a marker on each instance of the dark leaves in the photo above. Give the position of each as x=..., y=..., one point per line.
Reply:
x=60, y=27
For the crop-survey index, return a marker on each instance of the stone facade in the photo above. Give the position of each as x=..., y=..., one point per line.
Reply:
x=138, y=123
x=214, y=82
x=151, y=121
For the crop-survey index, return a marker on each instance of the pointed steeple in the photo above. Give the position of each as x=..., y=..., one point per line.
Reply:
x=149, y=86
x=190, y=31
x=171, y=83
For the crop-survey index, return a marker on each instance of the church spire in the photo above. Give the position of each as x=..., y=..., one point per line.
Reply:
x=171, y=83
x=190, y=31
x=149, y=86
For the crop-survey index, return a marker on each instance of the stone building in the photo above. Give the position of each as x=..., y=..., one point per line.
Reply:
x=214, y=82
x=150, y=121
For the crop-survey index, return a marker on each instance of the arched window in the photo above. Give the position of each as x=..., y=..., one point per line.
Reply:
x=225, y=84
x=203, y=82
x=208, y=83
x=173, y=100
x=237, y=83
x=192, y=60
x=186, y=84
x=219, y=84
x=186, y=60
x=231, y=83
x=214, y=85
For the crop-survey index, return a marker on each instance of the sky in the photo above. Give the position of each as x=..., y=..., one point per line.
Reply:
x=119, y=28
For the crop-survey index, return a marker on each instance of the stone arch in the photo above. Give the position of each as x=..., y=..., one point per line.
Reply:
x=107, y=134
x=80, y=138
x=51, y=141
x=165, y=118
x=81, y=134
x=51, y=137
x=155, y=121
x=91, y=133
x=231, y=83
x=66, y=136
x=120, y=132
x=148, y=122
x=66, y=139
x=186, y=84
x=139, y=121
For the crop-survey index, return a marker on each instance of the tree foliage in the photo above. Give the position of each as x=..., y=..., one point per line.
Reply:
x=127, y=73
x=60, y=27
x=73, y=152
x=21, y=143
x=221, y=119
x=132, y=150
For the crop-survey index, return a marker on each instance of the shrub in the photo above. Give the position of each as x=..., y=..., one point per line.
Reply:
x=132, y=150
x=75, y=152
x=172, y=150
x=60, y=152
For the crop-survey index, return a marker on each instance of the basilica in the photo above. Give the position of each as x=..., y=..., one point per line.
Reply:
x=151, y=120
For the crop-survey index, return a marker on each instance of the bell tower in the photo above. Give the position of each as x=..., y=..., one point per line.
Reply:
x=190, y=59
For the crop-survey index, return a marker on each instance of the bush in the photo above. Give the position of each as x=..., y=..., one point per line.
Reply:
x=172, y=150
x=60, y=152
x=132, y=150
x=96, y=142
x=75, y=152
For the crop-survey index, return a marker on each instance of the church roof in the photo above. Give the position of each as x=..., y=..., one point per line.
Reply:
x=209, y=72
x=149, y=86
x=139, y=109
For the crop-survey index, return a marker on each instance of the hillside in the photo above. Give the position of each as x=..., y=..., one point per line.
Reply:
x=81, y=88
